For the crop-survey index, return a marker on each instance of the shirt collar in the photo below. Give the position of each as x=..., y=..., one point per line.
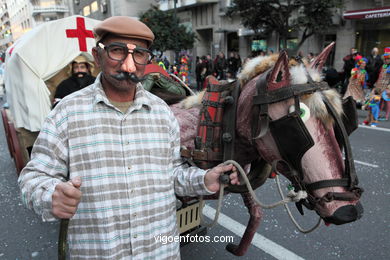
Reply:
x=139, y=101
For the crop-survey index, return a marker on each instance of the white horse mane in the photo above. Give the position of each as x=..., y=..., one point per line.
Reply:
x=299, y=75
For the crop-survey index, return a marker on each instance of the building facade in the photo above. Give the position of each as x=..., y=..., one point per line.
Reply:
x=216, y=32
x=5, y=27
x=102, y=9
x=95, y=9
x=48, y=10
x=20, y=18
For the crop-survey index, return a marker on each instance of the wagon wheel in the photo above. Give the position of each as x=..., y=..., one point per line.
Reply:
x=260, y=171
x=7, y=134
x=18, y=158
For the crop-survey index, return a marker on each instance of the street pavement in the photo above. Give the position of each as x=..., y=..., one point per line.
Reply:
x=24, y=236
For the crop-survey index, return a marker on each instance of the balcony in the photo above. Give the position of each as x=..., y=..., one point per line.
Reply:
x=49, y=9
x=166, y=5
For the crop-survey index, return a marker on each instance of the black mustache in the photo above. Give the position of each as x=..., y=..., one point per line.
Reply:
x=126, y=75
x=77, y=74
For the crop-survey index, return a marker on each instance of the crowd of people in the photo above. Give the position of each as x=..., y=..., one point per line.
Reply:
x=221, y=67
x=367, y=80
x=369, y=76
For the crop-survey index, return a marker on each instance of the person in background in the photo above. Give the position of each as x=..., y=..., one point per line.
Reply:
x=209, y=65
x=349, y=64
x=385, y=104
x=374, y=64
x=383, y=82
x=357, y=82
x=373, y=109
x=239, y=61
x=200, y=72
x=161, y=63
x=108, y=157
x=81, y=70
x=220, y=66
x=232, y=66
x=166, y=63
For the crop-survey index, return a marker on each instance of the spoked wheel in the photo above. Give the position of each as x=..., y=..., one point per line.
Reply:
x=7, y=134
x=17, y=152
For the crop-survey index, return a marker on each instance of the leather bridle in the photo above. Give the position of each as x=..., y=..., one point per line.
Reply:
x=290, y=152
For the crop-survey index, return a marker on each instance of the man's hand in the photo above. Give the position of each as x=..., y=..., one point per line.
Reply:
x=211, y=178
x=66, y=198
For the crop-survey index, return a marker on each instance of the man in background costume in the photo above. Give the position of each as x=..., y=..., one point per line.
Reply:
x=80, y=77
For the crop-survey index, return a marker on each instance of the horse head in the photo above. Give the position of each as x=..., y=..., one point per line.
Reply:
x=287, y=115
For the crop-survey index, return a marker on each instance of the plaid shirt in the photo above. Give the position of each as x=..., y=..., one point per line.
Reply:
x=130, y=167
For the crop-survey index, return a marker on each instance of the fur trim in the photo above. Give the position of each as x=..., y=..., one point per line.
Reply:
x=317, y=106
x=255, y=67
x=192, y=101
x=299, y=74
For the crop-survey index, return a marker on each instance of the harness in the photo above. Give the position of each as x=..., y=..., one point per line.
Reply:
x=215, y=138
x=294, y=143
x=214, y=142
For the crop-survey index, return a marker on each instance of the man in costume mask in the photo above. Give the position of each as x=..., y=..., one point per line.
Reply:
x=81, y=77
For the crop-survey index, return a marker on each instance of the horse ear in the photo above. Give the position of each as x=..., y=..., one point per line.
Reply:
x=280, y=74
x=320, y=60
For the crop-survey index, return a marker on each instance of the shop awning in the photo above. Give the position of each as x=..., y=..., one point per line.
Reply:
x=376, y=13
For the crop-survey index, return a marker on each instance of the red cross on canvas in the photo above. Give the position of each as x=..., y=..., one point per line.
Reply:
x=81, y=33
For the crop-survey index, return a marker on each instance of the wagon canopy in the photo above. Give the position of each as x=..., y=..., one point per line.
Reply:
x=38, y=56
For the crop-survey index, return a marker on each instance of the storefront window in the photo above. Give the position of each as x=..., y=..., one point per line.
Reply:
x=258, y=45
x=291, y=44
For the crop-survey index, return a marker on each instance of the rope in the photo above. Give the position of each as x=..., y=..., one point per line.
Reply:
x=292, y=196
x=305, y=231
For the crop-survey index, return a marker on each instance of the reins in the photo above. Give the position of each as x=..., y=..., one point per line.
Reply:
x=292, y=196
x=223, y=109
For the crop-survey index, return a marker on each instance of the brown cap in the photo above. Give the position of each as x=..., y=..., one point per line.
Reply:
x=123, y=26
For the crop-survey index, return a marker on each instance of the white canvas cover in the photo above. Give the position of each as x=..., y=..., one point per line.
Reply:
x=36, y=57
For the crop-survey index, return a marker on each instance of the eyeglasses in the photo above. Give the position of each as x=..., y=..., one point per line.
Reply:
x=118, y=51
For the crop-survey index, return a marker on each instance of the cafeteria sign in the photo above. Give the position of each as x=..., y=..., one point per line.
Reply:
x=368, y=13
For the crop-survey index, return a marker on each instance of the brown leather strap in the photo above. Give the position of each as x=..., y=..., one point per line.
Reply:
x=229, y=123
x=198, y=155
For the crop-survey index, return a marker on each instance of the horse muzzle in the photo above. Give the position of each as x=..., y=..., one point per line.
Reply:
x=346, y=214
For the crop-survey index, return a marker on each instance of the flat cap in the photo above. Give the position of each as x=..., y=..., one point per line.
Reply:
x=123, y=26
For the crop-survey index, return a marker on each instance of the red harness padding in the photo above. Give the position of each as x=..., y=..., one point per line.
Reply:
x=208, y=145
x=215, y=136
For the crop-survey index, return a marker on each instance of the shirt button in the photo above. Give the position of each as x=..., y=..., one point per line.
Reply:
x=135, y=236
x=129, y=167
x=135, y=214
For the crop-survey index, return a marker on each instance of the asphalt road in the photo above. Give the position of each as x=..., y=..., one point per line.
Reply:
x=24, y=236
